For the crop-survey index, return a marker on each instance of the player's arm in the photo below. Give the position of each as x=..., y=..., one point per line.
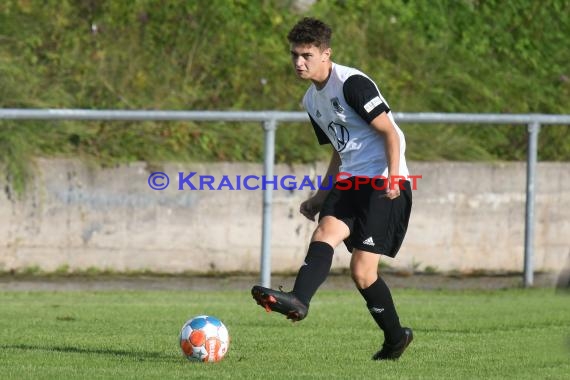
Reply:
x=332, y=172
x=363, y=96
x=313, y=205
x=384, y=126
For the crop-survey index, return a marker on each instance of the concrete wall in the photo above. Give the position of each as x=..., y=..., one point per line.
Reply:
x=466, y=217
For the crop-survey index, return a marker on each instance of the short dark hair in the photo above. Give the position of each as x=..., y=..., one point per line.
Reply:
x=312, y=32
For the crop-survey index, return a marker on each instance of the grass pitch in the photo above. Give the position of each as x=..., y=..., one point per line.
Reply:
x=518, y=334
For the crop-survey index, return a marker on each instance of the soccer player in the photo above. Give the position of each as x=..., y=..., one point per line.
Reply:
x=369, y=205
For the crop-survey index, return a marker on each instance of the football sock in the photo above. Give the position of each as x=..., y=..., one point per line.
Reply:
x=381, y=306
x=314, y=271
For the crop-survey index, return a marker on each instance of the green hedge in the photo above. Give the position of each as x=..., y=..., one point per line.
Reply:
x=429, y=56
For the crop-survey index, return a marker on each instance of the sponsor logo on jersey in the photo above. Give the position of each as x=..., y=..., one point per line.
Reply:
x=318, y=113
x=341, y=135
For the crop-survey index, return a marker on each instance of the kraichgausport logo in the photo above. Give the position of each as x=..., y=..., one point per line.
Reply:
x=342, y=181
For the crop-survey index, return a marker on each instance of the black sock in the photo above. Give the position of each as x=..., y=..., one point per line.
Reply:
x=381, y=306
x=314, y=271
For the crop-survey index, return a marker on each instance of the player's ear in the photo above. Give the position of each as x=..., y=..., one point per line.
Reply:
x=327, y=54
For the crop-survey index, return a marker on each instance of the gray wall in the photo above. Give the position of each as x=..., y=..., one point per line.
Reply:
x=466, y=217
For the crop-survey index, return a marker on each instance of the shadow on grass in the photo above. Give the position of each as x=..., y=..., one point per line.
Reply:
x=140, y=356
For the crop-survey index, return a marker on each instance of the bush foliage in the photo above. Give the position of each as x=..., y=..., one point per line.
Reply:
x=476, y=56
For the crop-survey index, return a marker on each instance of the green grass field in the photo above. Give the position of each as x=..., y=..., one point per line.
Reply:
x=516, y=333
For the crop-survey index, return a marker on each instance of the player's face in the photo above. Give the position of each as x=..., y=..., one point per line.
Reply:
x=310, y=62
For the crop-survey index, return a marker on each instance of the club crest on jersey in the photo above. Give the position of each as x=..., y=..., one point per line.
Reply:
x=336, y=105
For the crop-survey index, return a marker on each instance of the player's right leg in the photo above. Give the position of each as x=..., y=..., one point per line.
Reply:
x=364, y=271
x=382, y=224
x=295, y=304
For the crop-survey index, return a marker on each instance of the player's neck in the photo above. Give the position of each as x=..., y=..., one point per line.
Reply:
x=321, y=80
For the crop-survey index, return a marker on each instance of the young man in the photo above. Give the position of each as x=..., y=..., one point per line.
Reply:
x=369, y=206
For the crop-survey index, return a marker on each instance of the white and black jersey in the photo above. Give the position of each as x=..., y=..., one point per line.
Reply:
x=341, y=112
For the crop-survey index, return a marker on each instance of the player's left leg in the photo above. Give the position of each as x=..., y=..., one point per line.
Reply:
x=364, y=271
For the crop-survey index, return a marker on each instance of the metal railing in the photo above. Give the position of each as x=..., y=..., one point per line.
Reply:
x=270, y=120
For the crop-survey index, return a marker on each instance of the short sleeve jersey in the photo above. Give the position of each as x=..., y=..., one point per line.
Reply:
x=341, y=113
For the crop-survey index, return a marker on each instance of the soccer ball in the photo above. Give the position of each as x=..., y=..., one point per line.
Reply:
x=205, y=339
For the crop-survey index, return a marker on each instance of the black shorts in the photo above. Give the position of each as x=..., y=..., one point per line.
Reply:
x=377, y=224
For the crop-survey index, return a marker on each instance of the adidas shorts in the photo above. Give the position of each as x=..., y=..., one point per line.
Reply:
x=377, y=224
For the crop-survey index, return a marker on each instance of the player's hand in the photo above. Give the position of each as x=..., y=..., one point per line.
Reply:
x=310, y=208
x=393, y=194
x=393, y=189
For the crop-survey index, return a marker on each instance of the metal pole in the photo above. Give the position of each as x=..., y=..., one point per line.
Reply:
x=533, y=129
x=269, y=128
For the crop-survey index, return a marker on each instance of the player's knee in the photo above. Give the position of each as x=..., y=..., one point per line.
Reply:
x=328, y=235
x=321, y=233
x=363, y=277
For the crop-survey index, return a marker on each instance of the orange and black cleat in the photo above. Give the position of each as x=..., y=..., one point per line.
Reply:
x=282, y=302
